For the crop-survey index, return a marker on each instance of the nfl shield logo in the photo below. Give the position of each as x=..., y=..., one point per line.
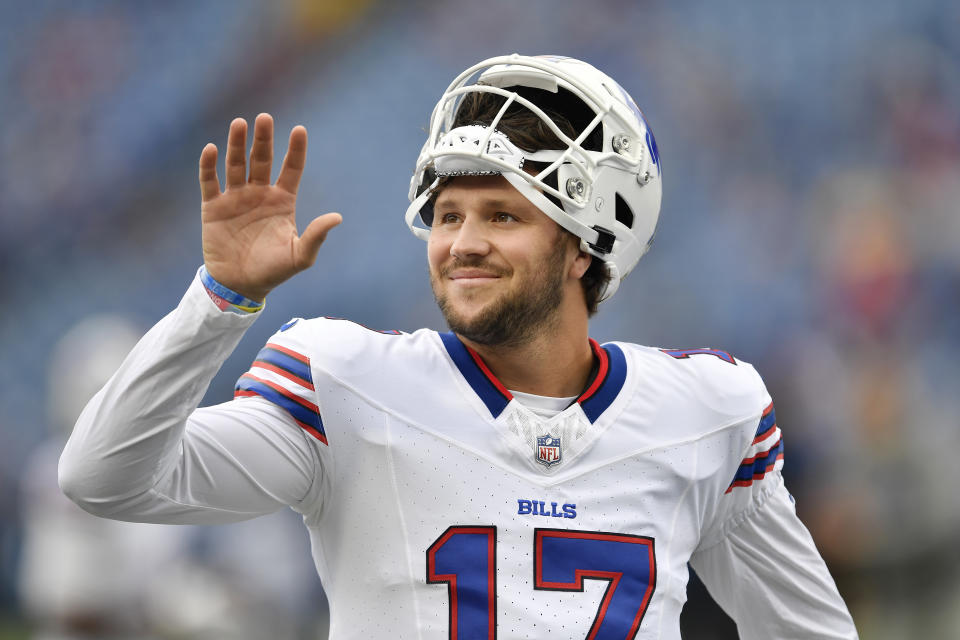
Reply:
x=548, y=450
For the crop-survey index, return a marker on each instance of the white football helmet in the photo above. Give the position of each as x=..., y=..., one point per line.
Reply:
x=609, y=197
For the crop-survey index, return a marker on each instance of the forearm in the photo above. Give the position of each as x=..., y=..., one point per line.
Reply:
x=129, y=435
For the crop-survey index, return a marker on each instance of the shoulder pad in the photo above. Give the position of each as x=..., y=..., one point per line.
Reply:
x=709, y=382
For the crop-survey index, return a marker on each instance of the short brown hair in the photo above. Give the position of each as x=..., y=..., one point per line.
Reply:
x=529, y=132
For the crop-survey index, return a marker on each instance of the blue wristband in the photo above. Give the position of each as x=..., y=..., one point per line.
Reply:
x=228, y=296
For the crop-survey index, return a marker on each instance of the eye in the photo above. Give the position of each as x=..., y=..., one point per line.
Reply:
x=500, y=216
x=449, y=218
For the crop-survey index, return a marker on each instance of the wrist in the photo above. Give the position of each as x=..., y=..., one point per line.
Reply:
x=226, y=298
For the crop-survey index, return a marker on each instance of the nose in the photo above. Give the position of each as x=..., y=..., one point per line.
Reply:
x=470, y=239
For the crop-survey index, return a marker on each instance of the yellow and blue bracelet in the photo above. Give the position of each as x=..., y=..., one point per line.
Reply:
x=227, y=299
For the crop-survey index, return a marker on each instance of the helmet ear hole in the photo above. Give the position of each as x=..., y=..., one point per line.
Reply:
x=426, y=211
x=623, y=212
x=426, y=214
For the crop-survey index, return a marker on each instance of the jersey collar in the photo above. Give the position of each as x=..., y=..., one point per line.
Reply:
x=601, y=391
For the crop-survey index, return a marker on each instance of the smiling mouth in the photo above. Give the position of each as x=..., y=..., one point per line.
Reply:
x=462, y=273
x=473, y=281
x=468, y=273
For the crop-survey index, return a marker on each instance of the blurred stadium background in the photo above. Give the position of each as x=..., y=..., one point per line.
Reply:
x=811, y=225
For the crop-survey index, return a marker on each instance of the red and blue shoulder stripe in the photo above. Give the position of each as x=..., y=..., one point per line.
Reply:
x=282, y=376
x=765, y=453
x=287, y=363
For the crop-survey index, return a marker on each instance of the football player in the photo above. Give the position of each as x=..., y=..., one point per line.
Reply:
x=510, y=478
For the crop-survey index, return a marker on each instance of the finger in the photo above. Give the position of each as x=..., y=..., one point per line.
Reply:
x=209, y=182
x=261, y=153
x=313, y=236
x=294, y=160
x=236, y=153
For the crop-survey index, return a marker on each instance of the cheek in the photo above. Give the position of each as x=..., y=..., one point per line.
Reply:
x=531, y=254
x=437, y=252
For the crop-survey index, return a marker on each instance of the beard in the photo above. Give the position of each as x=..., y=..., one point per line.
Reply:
x=517, y=316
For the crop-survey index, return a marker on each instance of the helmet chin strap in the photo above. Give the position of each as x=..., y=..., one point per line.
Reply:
x=586, y=234
x=541, y=202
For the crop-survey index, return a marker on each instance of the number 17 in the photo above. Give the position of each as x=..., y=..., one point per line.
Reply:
x=464, y=558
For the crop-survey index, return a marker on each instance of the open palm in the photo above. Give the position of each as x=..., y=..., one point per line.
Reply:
x=250, y=239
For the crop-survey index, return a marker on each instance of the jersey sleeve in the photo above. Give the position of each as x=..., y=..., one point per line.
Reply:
x=768, y=576
x=282, y=375
x=143, y=451
x=756, y=557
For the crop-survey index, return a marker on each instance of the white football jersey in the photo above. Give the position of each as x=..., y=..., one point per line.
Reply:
x=440, y=507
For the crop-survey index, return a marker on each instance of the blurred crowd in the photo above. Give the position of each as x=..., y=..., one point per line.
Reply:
x=811, y=225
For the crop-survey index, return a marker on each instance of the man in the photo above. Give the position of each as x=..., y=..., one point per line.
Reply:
x=511, y=478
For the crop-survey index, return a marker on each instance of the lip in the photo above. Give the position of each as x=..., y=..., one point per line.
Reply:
x=468, y=275
x=472, y=283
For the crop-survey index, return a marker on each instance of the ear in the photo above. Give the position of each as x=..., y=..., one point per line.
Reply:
x=580, y=263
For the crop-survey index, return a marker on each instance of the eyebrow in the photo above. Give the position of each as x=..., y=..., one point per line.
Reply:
x=492, y=203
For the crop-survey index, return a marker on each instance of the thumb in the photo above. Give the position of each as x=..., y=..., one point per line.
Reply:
x=313, y=236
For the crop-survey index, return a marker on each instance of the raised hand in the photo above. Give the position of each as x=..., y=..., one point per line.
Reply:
x=250, y=239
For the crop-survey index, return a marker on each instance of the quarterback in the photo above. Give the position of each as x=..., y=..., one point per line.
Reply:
x=510, y=478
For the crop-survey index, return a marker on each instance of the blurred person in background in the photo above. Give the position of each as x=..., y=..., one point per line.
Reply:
x=87, y=577
x=483, y=440
x=80, y=576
